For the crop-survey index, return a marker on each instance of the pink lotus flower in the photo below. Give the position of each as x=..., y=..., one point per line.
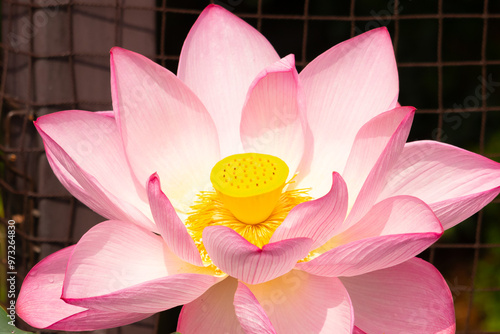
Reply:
x=327, y=151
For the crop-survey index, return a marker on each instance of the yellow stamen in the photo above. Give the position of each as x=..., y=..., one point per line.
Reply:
x=250, y=184
x=210, y=210
x=254, y=205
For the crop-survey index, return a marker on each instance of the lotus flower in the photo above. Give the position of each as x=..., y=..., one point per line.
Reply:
x=263, y=200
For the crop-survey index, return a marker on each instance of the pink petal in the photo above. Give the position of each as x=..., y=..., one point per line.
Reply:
x=235, y=256
x=164, y=126
x=213, y=312
x=82, y=148
x=318, y=219
x=392, y=232
x=120, y=267
x=273, y=118
x=40, y=304
x=345, y=87
x=220, y=58
x=252, y=317
x=411, y=297
x=171, y=228
x=376, y=149
x=454, y=182
x=358, y=331
x=302, y=303
x=376, y=146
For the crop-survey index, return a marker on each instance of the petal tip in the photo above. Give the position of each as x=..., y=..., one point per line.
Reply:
x=154, y=177
x=383, y=31
x=214, y=9
x=115, y=50
x=289, y=61
x=381, y=34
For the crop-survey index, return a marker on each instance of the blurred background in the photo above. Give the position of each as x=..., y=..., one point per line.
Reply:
x=55, y=56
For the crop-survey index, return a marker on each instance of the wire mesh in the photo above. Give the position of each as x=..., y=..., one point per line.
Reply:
x=448, y=56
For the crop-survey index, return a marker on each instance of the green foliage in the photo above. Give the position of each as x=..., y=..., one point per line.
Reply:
x=488, y=273
x=6, y=326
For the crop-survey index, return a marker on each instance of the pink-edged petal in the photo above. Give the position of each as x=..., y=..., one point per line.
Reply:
x=120, y=267
x=411, y=297
x=302, y=303
x=454, y=182
x=82, y=148
x=164, y=126
x=375, y=150
x=235, y=256
x=171, y=228
x=383, y=134
x=250, y=313
x=220, y=58
x=40, y=304
x=392, y=232
x=42, y=307
x=273, y=118
x=213, y=312
x=345, y=87
x=318, y=219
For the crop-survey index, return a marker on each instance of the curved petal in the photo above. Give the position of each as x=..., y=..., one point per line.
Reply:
x=376, y=149
x=392, y=232
x=220, y=58
x=82, y=148
x=372, y=141
x=298, y=302
x=454, y=182
x=318, y=219
x=250, y=313
x=40, y=304
x=273, y=118
x=164, y=126
x=118, y=266
x=235, y=256
x=213, y=312
x=345, y=87
x=171, y=228
x=411, y=297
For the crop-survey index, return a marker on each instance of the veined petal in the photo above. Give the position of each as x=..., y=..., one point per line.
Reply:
x=298, y=302
x=318, y=219
x=376, y=149
x=250, y=313
x=82, y=148
x=235, y=256
x=171, y=228
x=120, y=267
x=373, y=140
x=454, y=182
x=411, y=297
x=344, y=87
x=273, y=118
x=392, y=232
x=213, y=312
x=164, y=126
x=220, y=58
x=40, y=304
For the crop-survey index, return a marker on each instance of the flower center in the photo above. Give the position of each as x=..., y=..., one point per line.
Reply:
x=250, y=184
x=248, y=198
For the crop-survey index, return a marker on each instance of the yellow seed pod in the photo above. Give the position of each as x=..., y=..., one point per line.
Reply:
x=250, y=184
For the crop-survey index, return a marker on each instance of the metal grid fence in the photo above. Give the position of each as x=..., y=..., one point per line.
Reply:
x=449, y=60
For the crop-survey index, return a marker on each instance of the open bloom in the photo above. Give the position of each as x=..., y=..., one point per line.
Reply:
x=263, y=200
